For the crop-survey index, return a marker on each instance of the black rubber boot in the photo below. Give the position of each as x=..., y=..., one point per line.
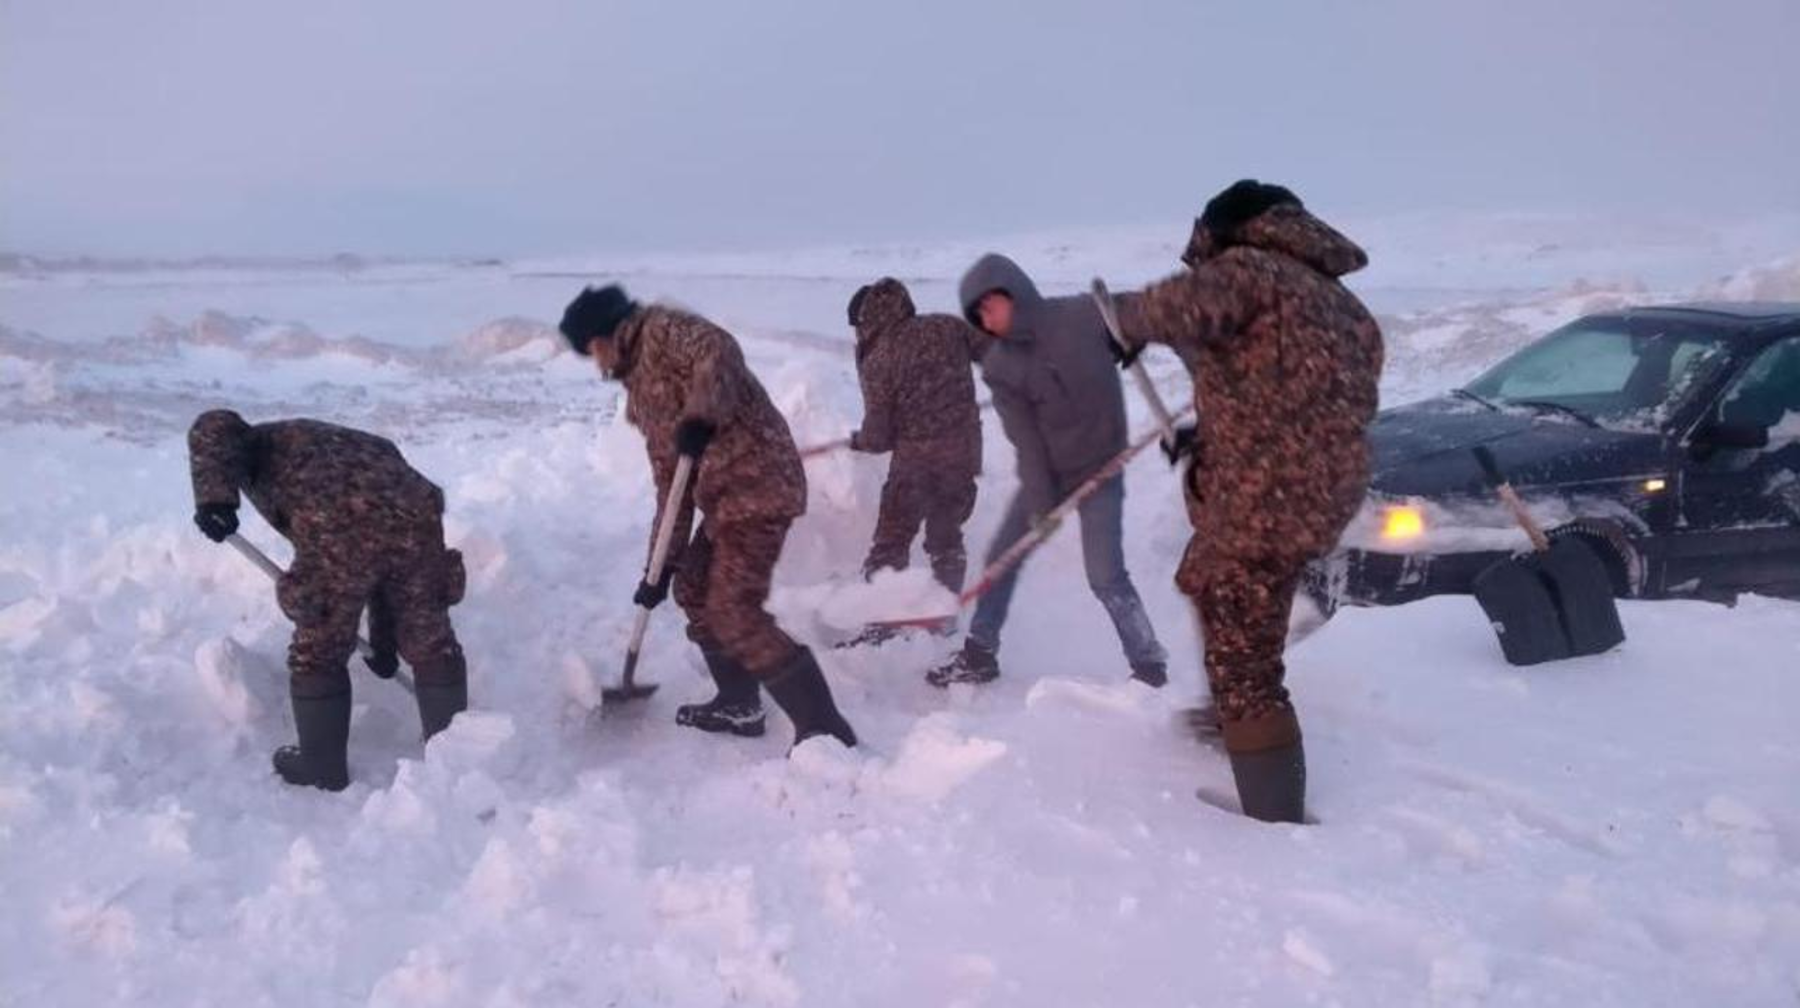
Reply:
x=973, y=664
x=800, y=688
x=323, y=724
x=736, y=710
x=438, y=703
x=1271, y=783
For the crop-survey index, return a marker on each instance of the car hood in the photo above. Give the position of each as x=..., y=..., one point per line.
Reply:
x=1423, y=450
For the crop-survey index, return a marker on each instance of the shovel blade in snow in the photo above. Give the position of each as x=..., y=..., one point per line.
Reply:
x=1584, y=591
x=1551, y=605
x=628, y=688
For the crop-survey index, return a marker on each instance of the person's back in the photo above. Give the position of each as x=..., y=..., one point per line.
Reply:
x=368, y=533
x=312, y=481
x=1286, y=365
x=1287, y=359
x=918, y=403
x=918, y=386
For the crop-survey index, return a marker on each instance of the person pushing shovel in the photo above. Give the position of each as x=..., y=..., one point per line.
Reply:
x=1062, y=406
x=690, y=393
x=367, y=531
x=1286, y=361
x=918, y=404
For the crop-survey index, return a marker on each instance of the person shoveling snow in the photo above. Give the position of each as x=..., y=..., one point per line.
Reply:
x=368, y=532
x=692, y=395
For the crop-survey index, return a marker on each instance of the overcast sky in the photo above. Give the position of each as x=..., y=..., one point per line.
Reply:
x=415, y=127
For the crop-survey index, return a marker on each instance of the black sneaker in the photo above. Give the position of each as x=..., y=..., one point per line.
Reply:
x=973, y=664
x=721, y=717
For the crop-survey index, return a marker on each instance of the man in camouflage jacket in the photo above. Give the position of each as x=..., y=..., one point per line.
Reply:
x=918, y=403
x=1286, y=363
x=689, y=391
x=367, y=531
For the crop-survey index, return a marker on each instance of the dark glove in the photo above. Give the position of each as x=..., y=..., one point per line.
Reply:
x=216, y=521
x=383, y=665
x=692, y=437
x=651, y=595
x=1187, y=439
x=1122, y=356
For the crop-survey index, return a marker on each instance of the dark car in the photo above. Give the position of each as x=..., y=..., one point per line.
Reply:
x=1668, y=436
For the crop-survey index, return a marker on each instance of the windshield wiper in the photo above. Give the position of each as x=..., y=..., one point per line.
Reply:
x=1463, y=393
x=1546, y=406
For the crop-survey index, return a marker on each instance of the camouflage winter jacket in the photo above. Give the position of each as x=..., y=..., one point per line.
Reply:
x=676, y=366
x=1286, y=363
x=917, y=383
x=326, y=488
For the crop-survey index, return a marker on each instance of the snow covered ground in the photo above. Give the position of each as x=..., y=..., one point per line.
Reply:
x=1621, y=830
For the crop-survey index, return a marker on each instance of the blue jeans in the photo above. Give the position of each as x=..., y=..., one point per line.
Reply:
x=1103, y=554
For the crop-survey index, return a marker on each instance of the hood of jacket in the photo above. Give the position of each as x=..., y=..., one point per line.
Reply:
x=1287, y=230
x=884, y=304
x=994, y=272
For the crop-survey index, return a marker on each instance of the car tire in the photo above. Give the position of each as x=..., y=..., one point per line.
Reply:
x=1624, y=564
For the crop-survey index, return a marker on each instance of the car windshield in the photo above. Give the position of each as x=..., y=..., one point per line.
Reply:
x=1604, y=372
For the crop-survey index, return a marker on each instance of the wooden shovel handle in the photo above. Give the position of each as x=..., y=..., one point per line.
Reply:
x=1491, y=468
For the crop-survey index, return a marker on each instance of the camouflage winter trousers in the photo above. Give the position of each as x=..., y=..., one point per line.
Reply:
x=942, y=502
x=407, y=580
x=721, y=582
x=1243, y=604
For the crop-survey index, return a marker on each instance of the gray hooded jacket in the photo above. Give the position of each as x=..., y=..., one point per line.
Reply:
x=1054, y=383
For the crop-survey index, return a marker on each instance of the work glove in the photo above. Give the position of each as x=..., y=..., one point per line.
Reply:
x=1122, y=356
x=216, y=521
x=692, y=437
x=650, y=595
x=383, y=664
x=1184, y=444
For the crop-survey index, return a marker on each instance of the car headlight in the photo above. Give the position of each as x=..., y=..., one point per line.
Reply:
x=1402, y=522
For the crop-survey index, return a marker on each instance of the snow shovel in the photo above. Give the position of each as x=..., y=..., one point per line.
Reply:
x=1164, y=421
x=1037, y=534
x=628, y=687
x=269, y=567
x=1552, y=603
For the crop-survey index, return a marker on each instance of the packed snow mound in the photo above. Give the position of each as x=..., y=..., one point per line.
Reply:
x=1776, y=281
x=513, y=340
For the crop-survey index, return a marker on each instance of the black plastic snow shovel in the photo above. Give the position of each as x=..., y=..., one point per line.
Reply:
x=1554, y=602
x=629, y=688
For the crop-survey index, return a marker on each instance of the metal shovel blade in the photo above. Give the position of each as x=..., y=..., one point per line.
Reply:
x=628, y=688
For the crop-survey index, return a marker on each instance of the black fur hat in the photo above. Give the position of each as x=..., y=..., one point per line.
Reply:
x=594, y=314
x=856, y=301
x=1240, y=203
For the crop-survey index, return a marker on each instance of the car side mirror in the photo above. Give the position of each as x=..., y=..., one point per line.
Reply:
x=1715, y=435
